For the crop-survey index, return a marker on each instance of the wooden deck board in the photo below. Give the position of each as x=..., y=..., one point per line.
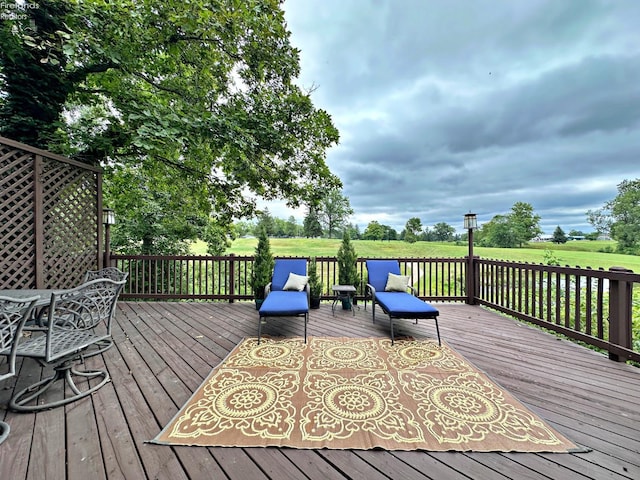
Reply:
x=430, y=465
x=47, y=460
x=118, y=447
x=164, y=351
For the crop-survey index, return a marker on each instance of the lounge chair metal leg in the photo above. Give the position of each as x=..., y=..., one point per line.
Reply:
x=392, y=336
x=438, y=331
x=306, y=320
x=259, y=328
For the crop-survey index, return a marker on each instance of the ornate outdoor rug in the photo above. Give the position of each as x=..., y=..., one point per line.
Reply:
x=356, y=393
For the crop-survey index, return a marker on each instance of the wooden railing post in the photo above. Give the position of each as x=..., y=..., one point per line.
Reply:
x=38, y=222
x=620, y=312
x=472, y=280
x=232, y=276
x=469, y=279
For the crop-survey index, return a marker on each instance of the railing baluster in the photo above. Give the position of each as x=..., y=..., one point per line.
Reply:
x=600, y=307
x=577, y=304
x=588, y=301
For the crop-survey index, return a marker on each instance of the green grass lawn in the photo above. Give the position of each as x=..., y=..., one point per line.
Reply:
x=574, y=253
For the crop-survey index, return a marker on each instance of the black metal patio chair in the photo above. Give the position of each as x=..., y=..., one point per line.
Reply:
x=112, y=273
x=13, y=315
x=73, y=324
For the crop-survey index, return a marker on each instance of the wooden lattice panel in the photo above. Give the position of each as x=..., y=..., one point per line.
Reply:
x=59, y=253
x=17, y=253
x=69, y=207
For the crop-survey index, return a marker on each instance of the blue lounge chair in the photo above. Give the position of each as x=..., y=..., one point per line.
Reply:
x=281, y=302
x=395, y=303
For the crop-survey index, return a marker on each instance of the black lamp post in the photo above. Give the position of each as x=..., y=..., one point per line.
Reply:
x=108, y=219
x=470, y=223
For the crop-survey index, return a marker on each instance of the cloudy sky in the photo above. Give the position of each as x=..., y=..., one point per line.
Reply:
x=451, y=106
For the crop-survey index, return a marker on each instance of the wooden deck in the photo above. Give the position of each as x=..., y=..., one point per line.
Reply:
x=165, y=350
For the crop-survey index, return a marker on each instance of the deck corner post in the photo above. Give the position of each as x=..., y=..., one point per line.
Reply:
x=472, y=280
x=620, y=312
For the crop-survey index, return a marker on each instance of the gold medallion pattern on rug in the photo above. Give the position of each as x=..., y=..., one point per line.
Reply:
x=341, y=406
x=236, y=401
x=356, y=393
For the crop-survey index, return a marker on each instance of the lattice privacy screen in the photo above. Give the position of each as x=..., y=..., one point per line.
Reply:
x=49, y=222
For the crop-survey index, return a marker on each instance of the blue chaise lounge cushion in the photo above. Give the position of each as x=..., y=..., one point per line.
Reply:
x=405, y=305
x=284, y=303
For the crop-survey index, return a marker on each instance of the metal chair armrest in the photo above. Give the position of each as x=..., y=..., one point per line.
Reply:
x=369, y=289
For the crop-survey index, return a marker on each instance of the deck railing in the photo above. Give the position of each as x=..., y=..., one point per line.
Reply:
x=192, y=277
x=593, y=306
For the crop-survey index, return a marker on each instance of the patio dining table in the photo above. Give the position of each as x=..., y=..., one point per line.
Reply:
x=43, y=301
x=44, y=294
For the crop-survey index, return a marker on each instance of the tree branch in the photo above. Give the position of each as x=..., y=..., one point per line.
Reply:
x=80, y=74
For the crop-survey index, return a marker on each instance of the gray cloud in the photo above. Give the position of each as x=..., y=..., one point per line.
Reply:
x=450, y=106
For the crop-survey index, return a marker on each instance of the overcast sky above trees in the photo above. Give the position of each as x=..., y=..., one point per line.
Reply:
x=451, y=106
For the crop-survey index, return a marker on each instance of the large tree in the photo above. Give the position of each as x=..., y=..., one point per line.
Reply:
x=443, y=232
x=334, y=211
x=197, y=95
x=266, y=222
x=412, y=230
x=34, y=78
x=158, y=216
x=311, y=225
x=497, y=232
x=559, y=235
x=524, y=222
x=621, y=217
x=374, y=231
x=513, y=229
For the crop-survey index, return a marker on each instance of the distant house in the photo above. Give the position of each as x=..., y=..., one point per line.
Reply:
x=543, y=238
x=576, y=237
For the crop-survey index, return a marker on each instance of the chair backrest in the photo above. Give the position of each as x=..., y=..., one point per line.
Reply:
x=13, y=315
x=283, y=267
x=378, y=271
x=86, y=306
x=112, y=273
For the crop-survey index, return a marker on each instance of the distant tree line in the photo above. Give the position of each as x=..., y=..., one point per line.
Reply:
x=560, y=237
x=329, y=219
x=619, y=218
x=325, y=218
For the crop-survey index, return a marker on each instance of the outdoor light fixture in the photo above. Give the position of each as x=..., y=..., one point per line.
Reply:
x=108, y=216
x=470, y=221
x=108, y=219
